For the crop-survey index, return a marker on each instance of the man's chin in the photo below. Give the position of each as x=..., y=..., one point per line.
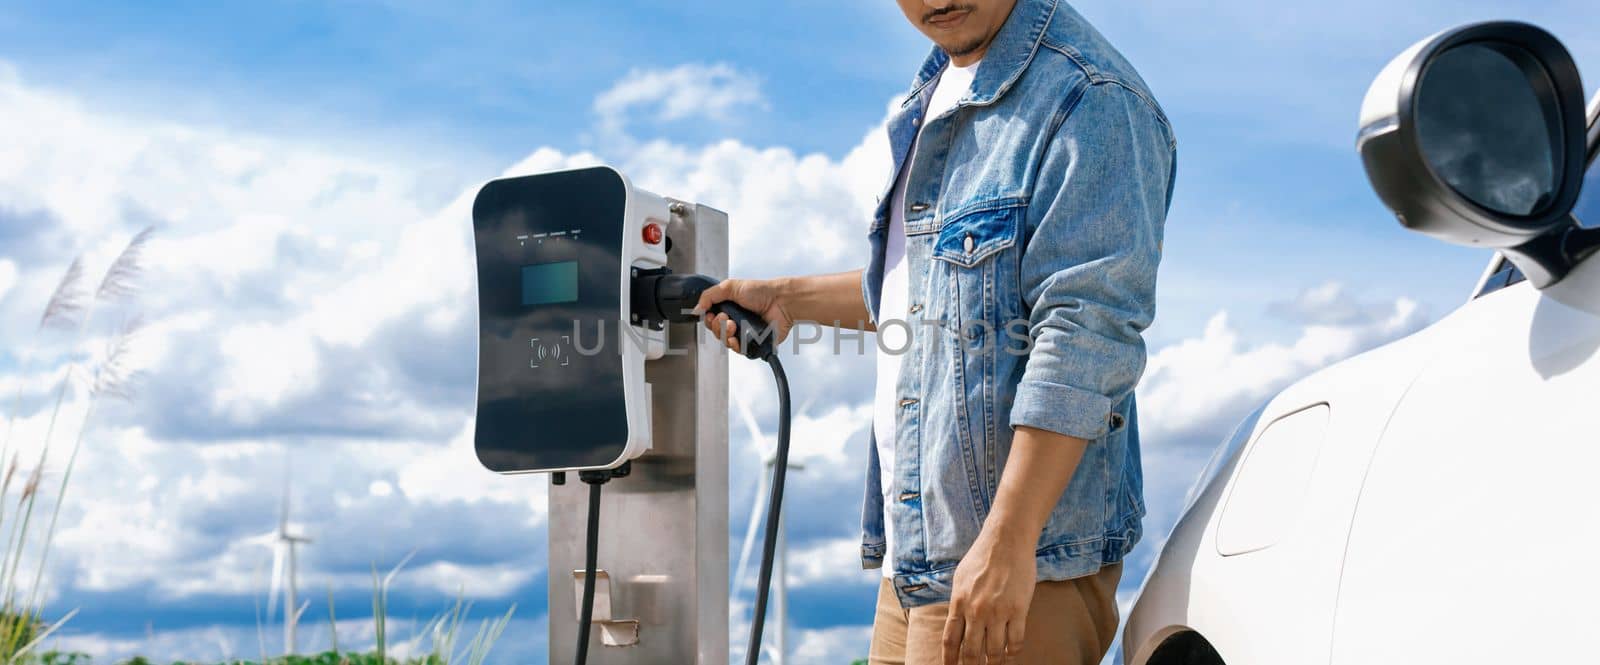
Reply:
x=965, y=47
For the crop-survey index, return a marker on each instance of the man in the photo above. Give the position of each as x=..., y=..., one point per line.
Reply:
x=1013, y=259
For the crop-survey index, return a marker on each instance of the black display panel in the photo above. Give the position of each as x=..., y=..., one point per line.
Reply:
x=549, y=283
x=550, y=384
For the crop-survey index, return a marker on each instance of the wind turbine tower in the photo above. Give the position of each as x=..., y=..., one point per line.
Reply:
x=284, y=546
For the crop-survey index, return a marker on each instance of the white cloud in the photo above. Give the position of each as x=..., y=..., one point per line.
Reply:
x=694, y=90
x=832, y=561
x=831, y=646
x=1329, y=305
x=451, y=474
x=265, y=365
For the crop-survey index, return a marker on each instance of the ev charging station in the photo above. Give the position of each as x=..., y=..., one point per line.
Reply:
x=590, y=365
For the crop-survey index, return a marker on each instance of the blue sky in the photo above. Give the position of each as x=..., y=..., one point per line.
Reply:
x=309, y=294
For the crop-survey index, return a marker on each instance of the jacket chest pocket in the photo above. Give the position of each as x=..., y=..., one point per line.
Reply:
x=975, y=276
x=975, y=255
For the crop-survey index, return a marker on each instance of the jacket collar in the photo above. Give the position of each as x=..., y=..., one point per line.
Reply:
x=1008, y=56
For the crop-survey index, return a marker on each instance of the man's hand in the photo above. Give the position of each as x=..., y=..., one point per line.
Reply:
x=762, y=296
x=833, y=300
x=994, y=581
x=989, y=608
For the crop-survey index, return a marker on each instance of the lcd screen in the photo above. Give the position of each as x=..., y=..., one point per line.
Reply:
x=550, y=283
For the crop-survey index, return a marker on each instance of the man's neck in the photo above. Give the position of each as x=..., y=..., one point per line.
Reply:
x=971, y=58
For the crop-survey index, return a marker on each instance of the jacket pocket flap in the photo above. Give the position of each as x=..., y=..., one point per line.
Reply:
x=969, y=239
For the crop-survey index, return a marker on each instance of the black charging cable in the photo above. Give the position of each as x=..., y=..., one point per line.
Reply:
x=591, y=553
x=660, y=297
x=769, y=543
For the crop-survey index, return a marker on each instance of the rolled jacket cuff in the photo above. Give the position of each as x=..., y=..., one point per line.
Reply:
x=1062, y=409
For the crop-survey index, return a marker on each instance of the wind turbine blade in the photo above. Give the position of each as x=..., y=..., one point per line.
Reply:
x=756, y=511
x=276, y=584
x=749, y=418
x=805, y=407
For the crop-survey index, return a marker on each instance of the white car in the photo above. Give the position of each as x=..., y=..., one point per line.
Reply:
x=1435, y=500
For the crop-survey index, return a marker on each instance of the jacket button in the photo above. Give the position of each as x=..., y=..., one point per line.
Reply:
x=968, y=243
x=914, y=309
x=919, y=207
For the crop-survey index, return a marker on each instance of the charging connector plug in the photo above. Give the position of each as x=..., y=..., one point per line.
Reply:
x=660, y=296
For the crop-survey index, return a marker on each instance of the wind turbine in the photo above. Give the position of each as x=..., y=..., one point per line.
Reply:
x=283, y=549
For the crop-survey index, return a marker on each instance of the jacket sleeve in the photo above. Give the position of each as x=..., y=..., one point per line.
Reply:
x=1088, y=271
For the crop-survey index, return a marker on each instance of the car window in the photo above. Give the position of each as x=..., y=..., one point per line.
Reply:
x=1588, y=210
x=1505, y=274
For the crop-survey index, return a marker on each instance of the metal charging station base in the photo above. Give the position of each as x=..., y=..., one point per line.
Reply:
x=664, y=528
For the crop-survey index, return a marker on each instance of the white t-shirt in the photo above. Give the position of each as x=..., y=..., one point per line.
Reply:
x=893, y=303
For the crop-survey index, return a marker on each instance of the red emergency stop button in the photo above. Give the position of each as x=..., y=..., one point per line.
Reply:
x=653, y=234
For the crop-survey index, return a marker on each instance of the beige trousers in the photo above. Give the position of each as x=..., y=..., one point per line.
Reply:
x=1069, y=623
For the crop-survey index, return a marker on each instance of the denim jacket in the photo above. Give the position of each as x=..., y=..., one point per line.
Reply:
x=1034, y=214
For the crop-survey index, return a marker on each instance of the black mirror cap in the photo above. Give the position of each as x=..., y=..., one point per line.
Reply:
x=1422, y=201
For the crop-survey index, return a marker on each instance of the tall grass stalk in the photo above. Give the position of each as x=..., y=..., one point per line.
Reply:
x=60, y=311
x=380, y=605
x=333, y=622
x=110, y=380
x=445, y=633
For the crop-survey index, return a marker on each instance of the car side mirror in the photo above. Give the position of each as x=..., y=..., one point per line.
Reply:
x=1477, y=136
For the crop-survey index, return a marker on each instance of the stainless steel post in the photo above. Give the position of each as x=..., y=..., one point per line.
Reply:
x=664, y=528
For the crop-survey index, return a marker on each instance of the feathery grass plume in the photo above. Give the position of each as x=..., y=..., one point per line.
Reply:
x=32, y=487
x=67, y=301
x=115, y=376
x=122, y=278
x=68, y=305
x=61, y=311
x=11, y=472
x=15, y=542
